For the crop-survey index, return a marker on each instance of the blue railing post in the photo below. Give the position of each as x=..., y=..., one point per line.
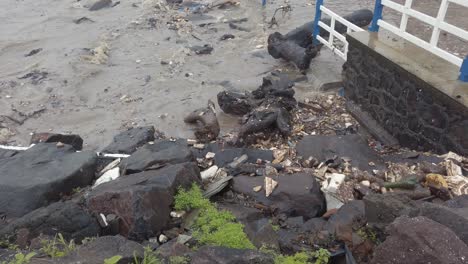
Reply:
x=464, y=70
x=264, y=2
x=318, y=16
x=374, y=27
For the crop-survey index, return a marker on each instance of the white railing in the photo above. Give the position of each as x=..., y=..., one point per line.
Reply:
x=330, y=43
x=438, y=23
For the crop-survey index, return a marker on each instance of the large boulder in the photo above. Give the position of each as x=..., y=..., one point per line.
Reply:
x=225, y=154
x=66, y=218
x=159, y=154
x=96, y=251
x=142, y=202
x=5, y=153
x=349, y=217
x=420, y=240
x=130, y=140
x=38, y=176
x=352, y=146
x=74, y=140
x=258, y=228
x=382, y=209
x=296, y=194
x=221, y=255
x=454, y=218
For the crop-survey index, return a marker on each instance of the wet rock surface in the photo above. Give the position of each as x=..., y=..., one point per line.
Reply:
x=67, y=218
x=142, y=201
x=129, y=141
x=212, y=255
x=327, y=148
x=74, y=140
x=39, y=175
x=95, y=252
x=296, y=194
x=420, y=240
x=159, y=154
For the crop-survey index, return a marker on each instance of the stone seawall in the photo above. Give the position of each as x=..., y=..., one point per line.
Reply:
x=417, y=107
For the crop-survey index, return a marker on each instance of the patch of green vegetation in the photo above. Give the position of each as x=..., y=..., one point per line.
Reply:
x=178, y=260
x=76, y=190
x=20, y=258
x=322, y=256
x=7, y=244
x=276, y=228
x=149, y=257
x=58, y=247
x=368, y=234
x=212, y=227
x=113, y=260
x=298, y=258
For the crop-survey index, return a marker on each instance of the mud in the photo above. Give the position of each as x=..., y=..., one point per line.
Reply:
x=68, y=69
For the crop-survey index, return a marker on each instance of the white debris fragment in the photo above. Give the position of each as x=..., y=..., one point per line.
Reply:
x=209, y=173
x=177, y=214
x=257, y=188
x=108, y=176
x=110, y=166
x=199, y=146
x=332, y=182
x=270, y=186
x=210, y=155
x=366, y=183
x=163, y=238
x=103, y=219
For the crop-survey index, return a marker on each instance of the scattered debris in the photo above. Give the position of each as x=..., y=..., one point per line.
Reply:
x=33, y=52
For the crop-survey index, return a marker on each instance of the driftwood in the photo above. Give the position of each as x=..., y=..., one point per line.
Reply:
x=297, y=47
x=207, y=126
x=265, y=109
x=280, y=47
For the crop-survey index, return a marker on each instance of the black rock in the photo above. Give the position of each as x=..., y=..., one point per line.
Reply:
x=66, y=218
x=221, y=255
x=227, y=36
x=38, y=176
x=100, y=4
x=420, y=240
x=143, y=201
x=235, y=103
x=96, y=251
x=129, y=141
x=202, y=50
x=74, y=140
x=159, y=154
x=5, y=153
x=349, y=217
x=296, y=194
x=354, y=147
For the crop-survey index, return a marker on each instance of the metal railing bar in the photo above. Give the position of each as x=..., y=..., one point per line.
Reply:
x=340, y=19
x=460, y=2
x=437, y=51
x=404, y=17
x=336, y=34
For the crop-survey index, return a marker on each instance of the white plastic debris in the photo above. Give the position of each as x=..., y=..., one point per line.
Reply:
x=270, y=186
x=103, y=219
x=163, y=238
x=108, y=176
x=366, y=183
x=110, y=166
x=332, y=182
x=177, y=214
x=210, y=155
x=209, y=173
x=257, y=188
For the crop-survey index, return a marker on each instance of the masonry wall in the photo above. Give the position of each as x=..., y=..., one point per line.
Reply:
x=417, y=114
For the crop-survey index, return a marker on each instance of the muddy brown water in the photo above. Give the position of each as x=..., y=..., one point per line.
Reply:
x=132, y=87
